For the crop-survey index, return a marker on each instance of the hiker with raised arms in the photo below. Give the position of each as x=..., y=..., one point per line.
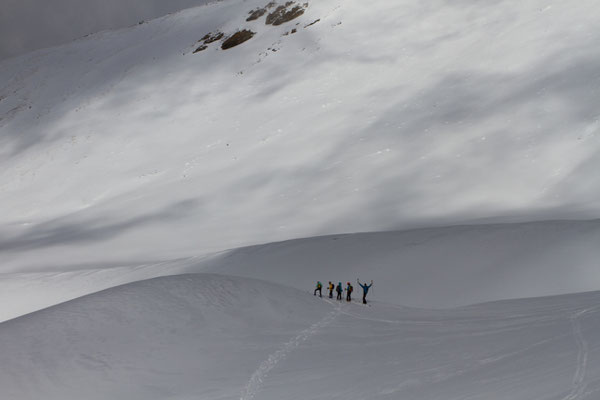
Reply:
x=365, y=289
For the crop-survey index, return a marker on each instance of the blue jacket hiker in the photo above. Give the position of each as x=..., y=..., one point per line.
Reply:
x=365, y=288
x=339, y=290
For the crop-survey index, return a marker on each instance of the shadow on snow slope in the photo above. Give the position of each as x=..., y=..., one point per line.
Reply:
x=434, y=267
x=431, y=268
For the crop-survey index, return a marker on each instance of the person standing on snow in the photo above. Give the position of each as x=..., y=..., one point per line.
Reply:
x=330, y=287
x=365, y=289
x=349, y=290
x=318, y=289
x=339, y=291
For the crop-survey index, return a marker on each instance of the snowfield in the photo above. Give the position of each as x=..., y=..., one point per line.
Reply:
x=214, y=337
x=167, y=205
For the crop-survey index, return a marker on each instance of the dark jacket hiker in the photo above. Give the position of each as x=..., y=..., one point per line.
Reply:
x=349, y=290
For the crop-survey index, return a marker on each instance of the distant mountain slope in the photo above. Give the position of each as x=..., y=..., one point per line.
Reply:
x=27, y=25
x=352, y=116
x=215, y=337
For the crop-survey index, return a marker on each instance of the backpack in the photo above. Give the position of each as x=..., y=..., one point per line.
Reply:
x=350, y=289
x=319, y=286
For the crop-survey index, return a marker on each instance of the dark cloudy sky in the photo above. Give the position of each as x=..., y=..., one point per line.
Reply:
x=27, y=25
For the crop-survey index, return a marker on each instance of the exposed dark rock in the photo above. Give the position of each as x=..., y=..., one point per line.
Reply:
x=256, y=14
x=212, y=37
x=294, y=31
x=283, y=14
x=312, y=23
x=208, y=38
x=237, y=38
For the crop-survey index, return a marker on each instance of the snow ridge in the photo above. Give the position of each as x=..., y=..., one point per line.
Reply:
x=258, y=377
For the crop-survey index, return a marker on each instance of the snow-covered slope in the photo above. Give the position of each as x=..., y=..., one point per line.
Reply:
x=125, y=146
x=213, y=337
x=138, y=153
x=437, y=267
x=168, y=338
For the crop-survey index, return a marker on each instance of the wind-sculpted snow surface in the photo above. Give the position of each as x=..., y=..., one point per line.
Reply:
x=208, y=337
x=125, y=146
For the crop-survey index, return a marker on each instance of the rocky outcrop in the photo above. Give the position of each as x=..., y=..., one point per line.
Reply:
x=285, y=13
x=237, y=39
x=276, y=15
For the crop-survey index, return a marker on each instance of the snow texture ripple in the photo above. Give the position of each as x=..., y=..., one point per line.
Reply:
x=258, y=377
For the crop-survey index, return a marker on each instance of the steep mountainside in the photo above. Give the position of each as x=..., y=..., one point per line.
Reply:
x=155, y=142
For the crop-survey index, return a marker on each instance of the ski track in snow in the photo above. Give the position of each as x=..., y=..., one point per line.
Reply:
x=579, y=387
x=258, y=377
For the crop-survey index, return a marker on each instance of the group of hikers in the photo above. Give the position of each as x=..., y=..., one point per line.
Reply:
x=349, y=289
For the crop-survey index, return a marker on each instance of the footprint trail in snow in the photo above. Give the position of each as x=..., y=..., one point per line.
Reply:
x=258, y=377
x=579, y=386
